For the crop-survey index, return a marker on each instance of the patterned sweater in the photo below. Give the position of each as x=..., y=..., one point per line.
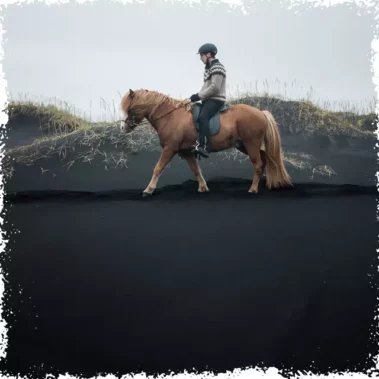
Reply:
x=214, y=82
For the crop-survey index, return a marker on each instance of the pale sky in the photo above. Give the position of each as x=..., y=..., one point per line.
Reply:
x=82, y=53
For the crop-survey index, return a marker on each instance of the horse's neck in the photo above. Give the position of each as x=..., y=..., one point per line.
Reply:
x=158, y=113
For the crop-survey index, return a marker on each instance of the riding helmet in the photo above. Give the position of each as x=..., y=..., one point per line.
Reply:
x=207, y=48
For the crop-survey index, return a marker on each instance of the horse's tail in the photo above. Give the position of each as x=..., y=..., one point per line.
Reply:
x=276, y=173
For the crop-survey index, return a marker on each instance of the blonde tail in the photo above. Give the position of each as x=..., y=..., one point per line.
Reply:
x=276, y=173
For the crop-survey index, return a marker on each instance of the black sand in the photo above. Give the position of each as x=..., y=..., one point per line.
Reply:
x=115, y=283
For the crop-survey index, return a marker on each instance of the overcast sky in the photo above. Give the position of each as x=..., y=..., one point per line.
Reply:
x=82, y=53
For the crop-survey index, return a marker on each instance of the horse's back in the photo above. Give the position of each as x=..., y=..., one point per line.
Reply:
x=240, y=110
x=243, y=107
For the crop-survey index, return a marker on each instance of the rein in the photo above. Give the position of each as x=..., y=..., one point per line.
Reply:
x=156, y=119
x=172, y=110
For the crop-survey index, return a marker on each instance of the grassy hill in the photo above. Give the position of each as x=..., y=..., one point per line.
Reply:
x=63, y=131
x=50, y=118
x=305, y=118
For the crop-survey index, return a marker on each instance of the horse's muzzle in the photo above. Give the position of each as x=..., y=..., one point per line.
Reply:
x=125, y=127
x=128, y=125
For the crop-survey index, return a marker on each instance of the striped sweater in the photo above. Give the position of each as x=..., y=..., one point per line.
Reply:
x=214, y=82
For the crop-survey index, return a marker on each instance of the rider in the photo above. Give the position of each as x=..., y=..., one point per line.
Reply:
x=212, y=94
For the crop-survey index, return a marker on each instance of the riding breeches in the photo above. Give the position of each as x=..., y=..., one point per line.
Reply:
x=208, y=110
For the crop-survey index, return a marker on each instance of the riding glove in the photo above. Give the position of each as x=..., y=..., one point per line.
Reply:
x=194, y=98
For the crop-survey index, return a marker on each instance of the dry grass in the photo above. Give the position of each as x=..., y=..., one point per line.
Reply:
x=300, y=161
x=263, y=89
x=50, y=118
x=85, y=145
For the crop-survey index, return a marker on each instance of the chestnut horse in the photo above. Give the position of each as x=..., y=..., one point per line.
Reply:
x=241, y=126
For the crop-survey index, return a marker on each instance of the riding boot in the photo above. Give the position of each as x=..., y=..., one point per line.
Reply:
x=202, y=147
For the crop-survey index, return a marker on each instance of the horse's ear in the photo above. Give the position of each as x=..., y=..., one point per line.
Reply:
x=131, y=93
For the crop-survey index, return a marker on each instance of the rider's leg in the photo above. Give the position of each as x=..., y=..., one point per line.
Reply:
x=208, y=110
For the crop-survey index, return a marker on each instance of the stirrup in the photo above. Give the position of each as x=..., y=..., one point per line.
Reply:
x=197, y=146
x=195, y=150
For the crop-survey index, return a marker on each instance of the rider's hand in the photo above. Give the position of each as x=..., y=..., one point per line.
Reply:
x=195, y=97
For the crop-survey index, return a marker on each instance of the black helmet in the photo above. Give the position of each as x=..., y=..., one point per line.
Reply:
x=208, y=48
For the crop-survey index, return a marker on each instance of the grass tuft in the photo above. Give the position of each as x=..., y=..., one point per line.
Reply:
x=50, y=118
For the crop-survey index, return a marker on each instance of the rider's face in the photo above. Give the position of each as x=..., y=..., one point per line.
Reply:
x=204, y=57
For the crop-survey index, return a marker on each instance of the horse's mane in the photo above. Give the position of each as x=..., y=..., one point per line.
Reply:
x=145, y=99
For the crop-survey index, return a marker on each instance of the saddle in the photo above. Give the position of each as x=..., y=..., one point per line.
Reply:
x=214, y=122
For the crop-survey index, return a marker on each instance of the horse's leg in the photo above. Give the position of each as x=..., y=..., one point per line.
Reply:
x=242, y=149
x=254, y=153
x=194, y=166
x=165, y=158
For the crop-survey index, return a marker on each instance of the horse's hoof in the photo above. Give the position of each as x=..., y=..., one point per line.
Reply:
x=146, y=194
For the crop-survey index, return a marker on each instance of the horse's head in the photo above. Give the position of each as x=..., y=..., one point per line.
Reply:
x=131, y=113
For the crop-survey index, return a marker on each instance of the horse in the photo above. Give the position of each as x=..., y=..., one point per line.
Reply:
x=241, y=126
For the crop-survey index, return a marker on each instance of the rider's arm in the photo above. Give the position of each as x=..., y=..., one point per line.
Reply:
x=213, y=88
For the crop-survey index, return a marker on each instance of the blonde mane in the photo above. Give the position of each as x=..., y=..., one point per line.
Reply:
x=145, y=99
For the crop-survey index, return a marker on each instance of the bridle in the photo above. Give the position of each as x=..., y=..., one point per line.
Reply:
x=131, y=120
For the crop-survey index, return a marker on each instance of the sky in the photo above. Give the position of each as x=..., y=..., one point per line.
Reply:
x=89, y=54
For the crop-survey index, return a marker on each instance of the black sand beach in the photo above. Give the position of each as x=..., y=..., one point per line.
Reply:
x=100, y=280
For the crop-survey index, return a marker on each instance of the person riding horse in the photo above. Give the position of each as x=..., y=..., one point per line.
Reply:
x=212, y=95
